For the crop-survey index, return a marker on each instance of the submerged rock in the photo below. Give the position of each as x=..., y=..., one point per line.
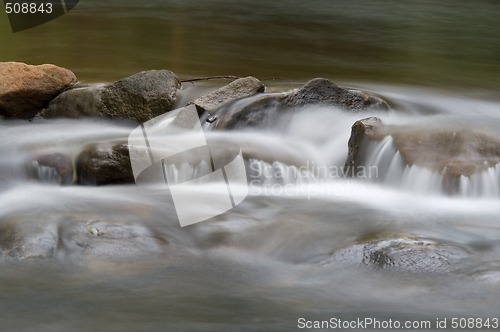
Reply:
x=139, y=97
x=33, y=240
x=403, y=253
x=26, y=89
x=59, y=235
x=52, y=168
x=264, y=110
x=104, y=164
x=238, y=89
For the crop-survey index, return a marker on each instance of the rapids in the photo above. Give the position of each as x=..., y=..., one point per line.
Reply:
x=304, y=243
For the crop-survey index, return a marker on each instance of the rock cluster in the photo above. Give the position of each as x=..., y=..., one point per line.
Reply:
x=50, y=92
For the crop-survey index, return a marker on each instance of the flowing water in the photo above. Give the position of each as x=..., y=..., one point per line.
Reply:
x=308, y=241
x=304, y=243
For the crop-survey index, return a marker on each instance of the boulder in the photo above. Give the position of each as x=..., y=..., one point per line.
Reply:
x=104, y=164
x=448, y=155
x=264, y=110
x=26, y=89
x=321, y=91
x=238, y=89
x=139, y=97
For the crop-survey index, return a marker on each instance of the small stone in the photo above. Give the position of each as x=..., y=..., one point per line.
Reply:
x=93, y=230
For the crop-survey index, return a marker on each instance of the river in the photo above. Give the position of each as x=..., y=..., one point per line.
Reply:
x=328, y=248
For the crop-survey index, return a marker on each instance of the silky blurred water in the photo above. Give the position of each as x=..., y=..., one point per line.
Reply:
x=314, y=250
x=278, y=256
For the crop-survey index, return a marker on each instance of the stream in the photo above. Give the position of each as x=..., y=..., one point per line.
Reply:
x=305, y=244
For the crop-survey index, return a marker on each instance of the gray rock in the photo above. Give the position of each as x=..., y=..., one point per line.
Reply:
x=142, y=96
x=362, y=132
x=240, y=88
x=104, y=164
x=76, y=103
x=257, y=111
x=57, y=235
x=264, y=110
x=33, y=240
x=26, y=89
x=404, y=253
x=108, y=238
x=139, y=97
x=321, y=91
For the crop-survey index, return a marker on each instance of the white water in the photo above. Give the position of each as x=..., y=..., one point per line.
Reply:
x=394, y=172
x=303, y=243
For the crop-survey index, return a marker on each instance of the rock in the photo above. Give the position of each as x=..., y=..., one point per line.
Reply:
x=23, y=241
x=265, y=110
x=100, y=237
x=76, y=103
x=362, y=132
x=104, y=164
x=51, y=235
x=258, y=111
x=321, y=91
x=52, y=168
x=139, y=97
x=142, y=96
x=404, y=253
x=451, y=151
x=238, y=89
x=26, y=89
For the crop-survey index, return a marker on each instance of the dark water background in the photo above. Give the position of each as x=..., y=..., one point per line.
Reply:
x=439, y=43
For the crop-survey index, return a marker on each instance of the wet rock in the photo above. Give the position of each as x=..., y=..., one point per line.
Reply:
x=139, y=97
x=265, y=110
x=321, y=91
x=27, y=240
x=83, y=102
x=240, y=88
x=104, y=164
x=52, y=168
x=108, y=238
x=451, y=148
x=26, y=89
x=403, y=252
x=362, y=132
x=59, y=235
x=261, y=111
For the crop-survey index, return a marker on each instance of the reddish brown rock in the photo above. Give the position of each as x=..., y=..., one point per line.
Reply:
x=26, y=89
